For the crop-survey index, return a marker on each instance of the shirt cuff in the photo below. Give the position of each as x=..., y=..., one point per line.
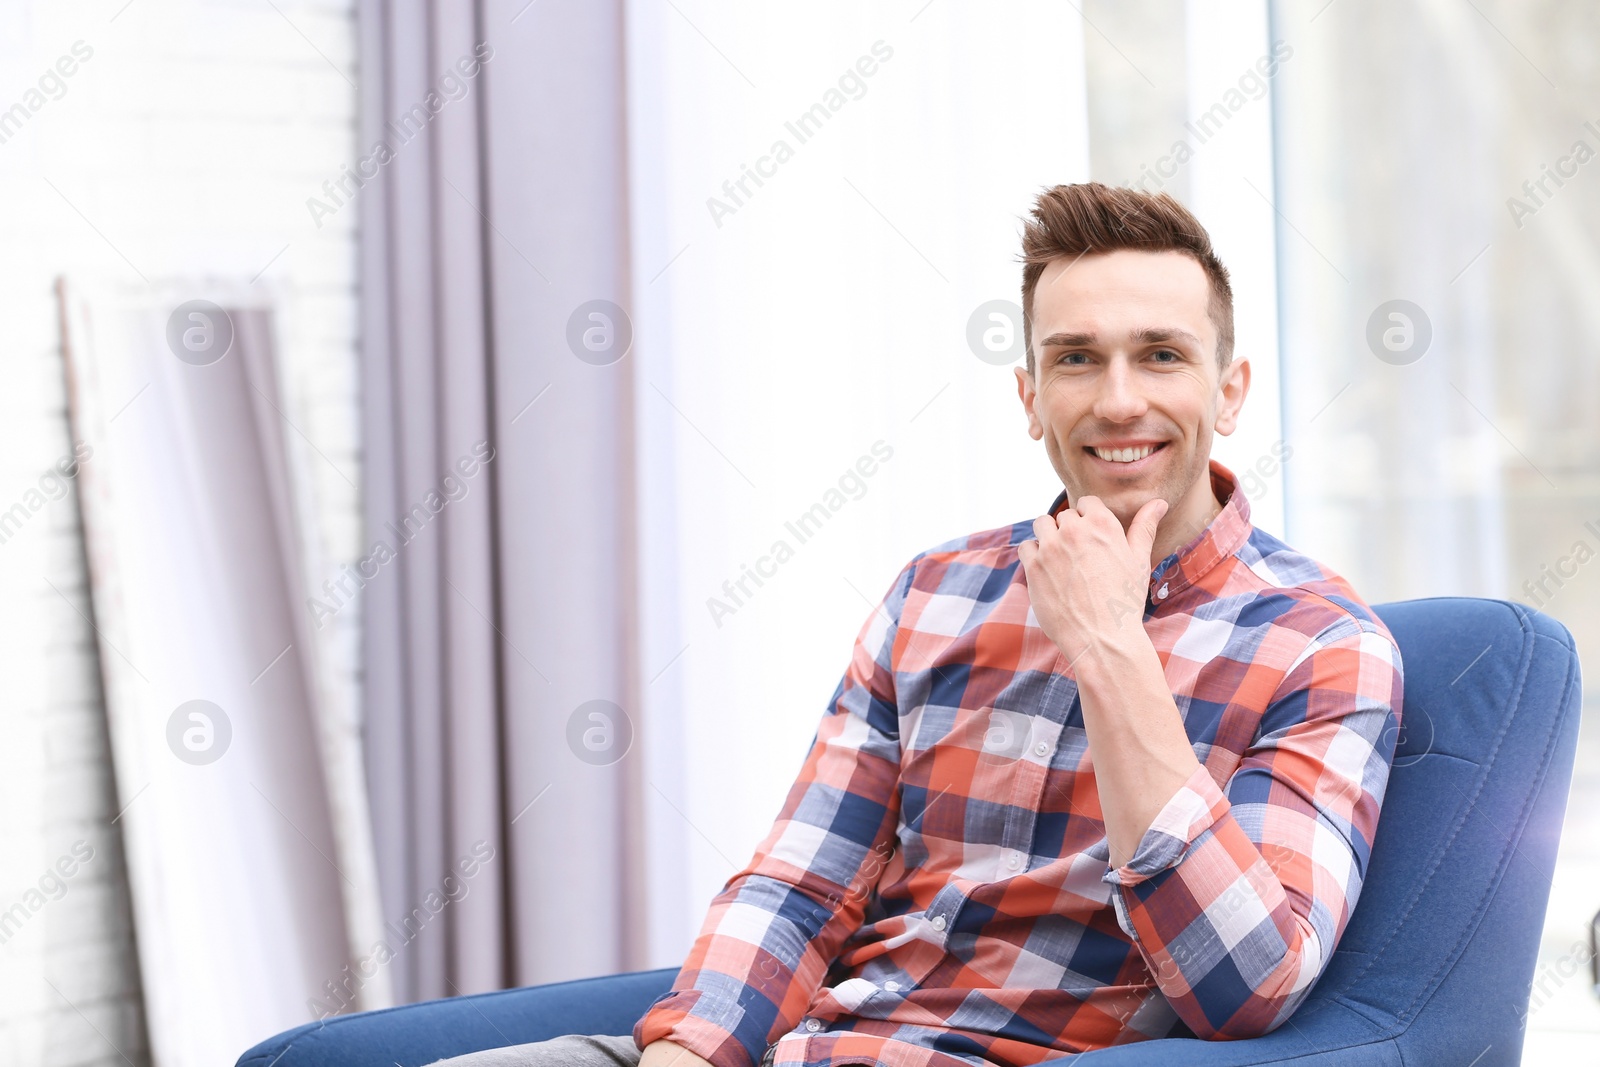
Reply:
x=1188, y=813
x=706, y=1026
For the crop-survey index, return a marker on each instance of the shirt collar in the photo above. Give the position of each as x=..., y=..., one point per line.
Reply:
x=1225, y=534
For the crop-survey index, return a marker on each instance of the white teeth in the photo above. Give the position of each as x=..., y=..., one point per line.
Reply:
x=1124, y=455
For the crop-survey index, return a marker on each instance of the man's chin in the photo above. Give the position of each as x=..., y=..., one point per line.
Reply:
x=1123, y=501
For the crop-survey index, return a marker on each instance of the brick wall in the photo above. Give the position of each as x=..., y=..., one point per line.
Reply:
x=159, y=146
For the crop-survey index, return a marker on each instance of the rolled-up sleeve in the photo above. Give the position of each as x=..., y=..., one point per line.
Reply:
x=776, y=926
x=1237, y=895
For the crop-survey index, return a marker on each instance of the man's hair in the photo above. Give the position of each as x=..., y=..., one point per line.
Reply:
x=1076, y=220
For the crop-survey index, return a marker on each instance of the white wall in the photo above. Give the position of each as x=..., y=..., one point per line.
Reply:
x=186, y=144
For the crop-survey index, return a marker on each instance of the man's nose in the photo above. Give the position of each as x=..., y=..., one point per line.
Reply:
x=1119, y=398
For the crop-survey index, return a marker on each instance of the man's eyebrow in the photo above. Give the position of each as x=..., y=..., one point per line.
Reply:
x=1155, y=334
x=1068, y=340
x=1145, y=335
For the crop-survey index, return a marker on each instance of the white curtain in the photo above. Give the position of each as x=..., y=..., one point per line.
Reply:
x=822, y=197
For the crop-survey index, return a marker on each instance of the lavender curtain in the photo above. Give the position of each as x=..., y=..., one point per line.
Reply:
x=498, y=480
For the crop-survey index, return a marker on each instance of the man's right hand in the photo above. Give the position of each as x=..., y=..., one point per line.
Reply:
x=669, y=1054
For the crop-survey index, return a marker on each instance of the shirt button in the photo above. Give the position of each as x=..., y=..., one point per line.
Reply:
x=938, y=922
x=1041, y=749
x=1015, y=861
x=813, y=1025
x=1161, y=594
x=891, y=986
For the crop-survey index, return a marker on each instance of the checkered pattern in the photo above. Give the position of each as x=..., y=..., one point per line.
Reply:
x=936, y=890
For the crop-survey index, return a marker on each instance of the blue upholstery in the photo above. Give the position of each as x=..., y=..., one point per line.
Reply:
x=1434, y=969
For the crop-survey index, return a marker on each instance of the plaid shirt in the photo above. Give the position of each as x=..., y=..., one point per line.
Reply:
x=936, y=890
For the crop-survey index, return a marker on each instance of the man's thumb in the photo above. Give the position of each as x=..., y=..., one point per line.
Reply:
x=1142, y=530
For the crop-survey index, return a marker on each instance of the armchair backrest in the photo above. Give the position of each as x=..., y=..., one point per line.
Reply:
x=1434, y=967
x=1441, y=949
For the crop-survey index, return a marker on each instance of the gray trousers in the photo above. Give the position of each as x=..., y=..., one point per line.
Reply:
x=576, y=1050
x=573, y=1050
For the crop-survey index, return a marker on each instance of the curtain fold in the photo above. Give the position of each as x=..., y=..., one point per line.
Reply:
x=557, y=210
x=498, y=479
x=432, y=702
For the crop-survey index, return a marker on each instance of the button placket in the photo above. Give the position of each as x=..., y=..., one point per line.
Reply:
x=1033, y=774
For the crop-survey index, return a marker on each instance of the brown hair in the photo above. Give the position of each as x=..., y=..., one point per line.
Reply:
x=1076, y=220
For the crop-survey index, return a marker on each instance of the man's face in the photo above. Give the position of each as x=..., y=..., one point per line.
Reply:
x=1125, y=364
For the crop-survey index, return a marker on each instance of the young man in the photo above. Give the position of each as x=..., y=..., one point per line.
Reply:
x=1107, y=775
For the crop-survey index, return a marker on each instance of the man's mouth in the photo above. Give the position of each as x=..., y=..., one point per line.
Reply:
x=1126, y=458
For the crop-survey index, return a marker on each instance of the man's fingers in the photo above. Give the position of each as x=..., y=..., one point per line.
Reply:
x=1085, y=504
x=1044, y=526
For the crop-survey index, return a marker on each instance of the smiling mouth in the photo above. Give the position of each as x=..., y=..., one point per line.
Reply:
x=1124, y=457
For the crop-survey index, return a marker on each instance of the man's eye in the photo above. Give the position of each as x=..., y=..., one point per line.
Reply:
x=1072, y=358
x=1172, y=356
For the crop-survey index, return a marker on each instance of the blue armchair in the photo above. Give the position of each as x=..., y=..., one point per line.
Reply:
x=1434, y=968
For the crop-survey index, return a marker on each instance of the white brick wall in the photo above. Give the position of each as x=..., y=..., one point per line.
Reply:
x=190, y=141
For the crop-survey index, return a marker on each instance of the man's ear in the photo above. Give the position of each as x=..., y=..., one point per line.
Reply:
x=1233, y=386
x=1025, y=391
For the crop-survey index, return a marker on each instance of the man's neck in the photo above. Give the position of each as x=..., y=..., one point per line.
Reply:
x=1177, y=530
